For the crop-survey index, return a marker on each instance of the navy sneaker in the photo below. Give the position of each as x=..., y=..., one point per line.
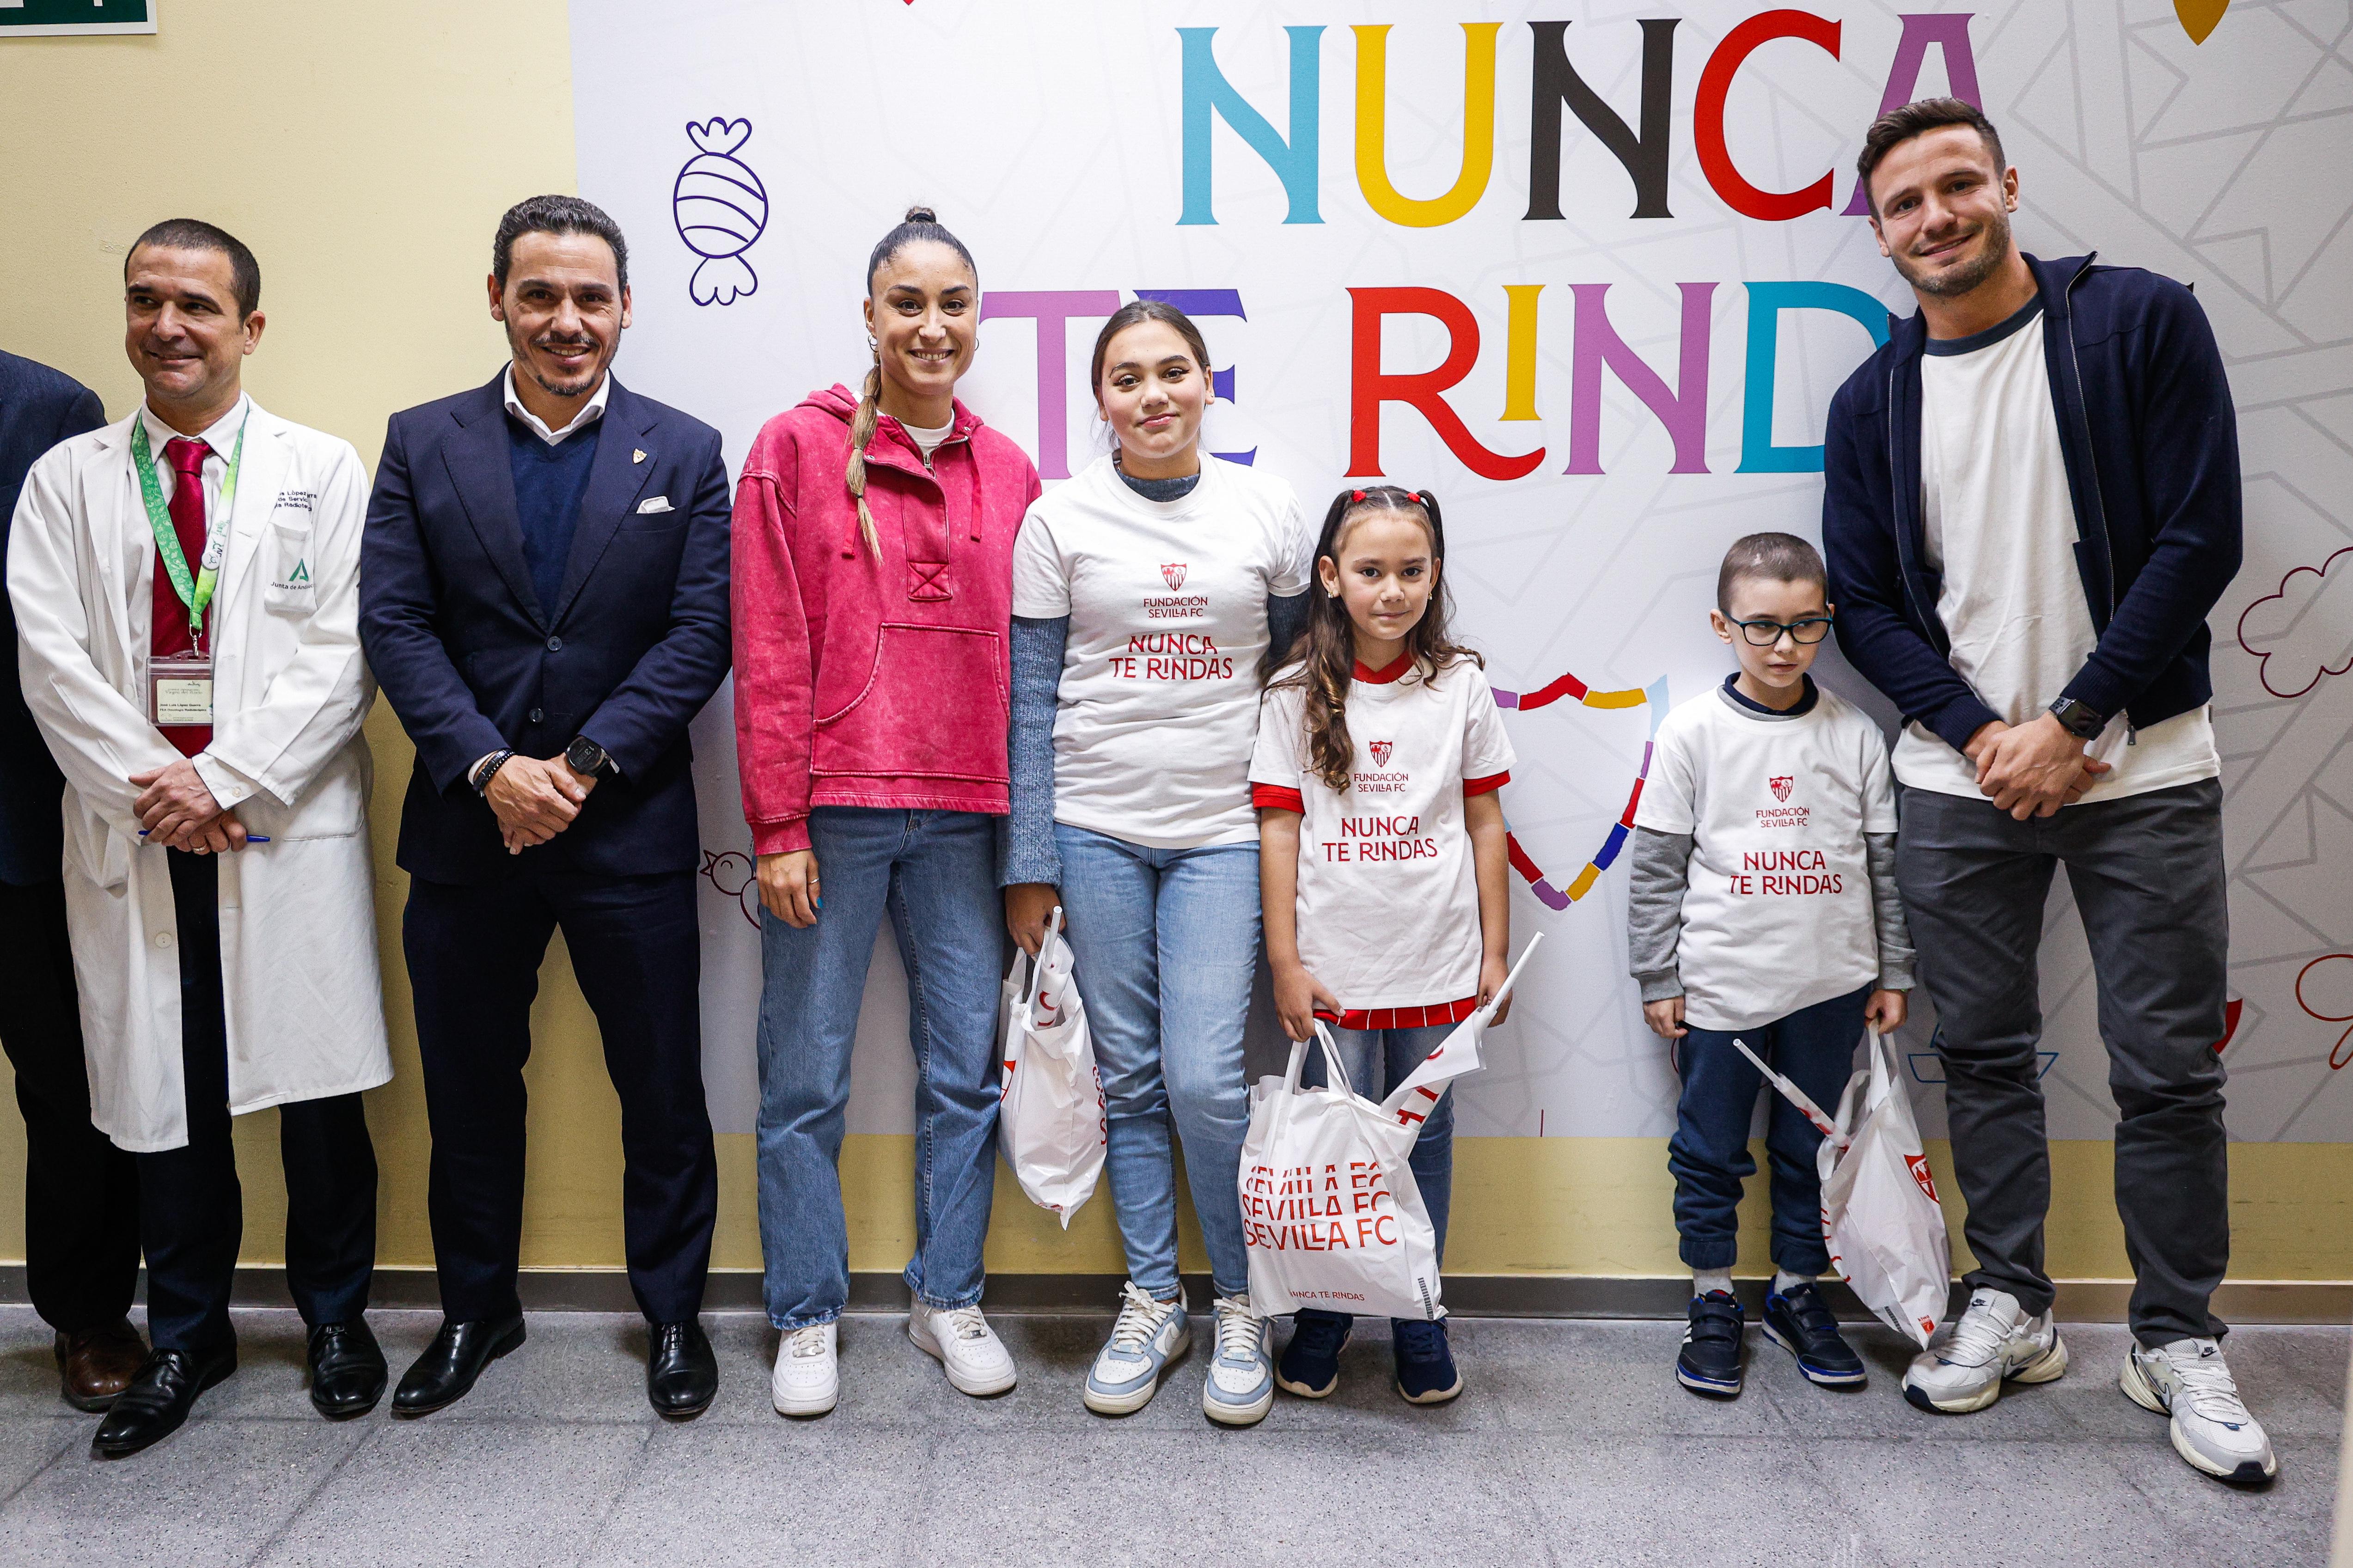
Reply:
x=1709, y=1362
x=1425, y=1364
x=1310, y=1367
x=1799, y=1323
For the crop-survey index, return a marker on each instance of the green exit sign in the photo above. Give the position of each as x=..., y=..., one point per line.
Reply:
x=64, y=18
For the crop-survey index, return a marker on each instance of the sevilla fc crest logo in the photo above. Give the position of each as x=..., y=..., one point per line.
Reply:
x=1781, y=784
x=1173, y=573
x=1381, y=750
x=1919, y=1163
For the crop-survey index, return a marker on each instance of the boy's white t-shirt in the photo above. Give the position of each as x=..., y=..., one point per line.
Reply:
x=1389, y=891
x=1777, y=912
x=1159, y=701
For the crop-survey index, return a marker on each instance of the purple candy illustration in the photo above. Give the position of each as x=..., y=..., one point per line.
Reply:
x=720, y=207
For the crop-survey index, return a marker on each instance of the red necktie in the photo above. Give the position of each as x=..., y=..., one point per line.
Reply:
x=169, y=629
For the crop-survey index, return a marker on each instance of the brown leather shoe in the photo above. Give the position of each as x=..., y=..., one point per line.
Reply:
x=99, y=1364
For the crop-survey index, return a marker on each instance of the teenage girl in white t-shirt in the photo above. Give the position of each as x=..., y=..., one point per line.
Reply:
x=1382, y=855
x=1145, y=591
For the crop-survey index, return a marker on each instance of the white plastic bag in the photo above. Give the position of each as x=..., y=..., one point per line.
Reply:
x=1879, y=1214
x=1050, y=1117
x=1331, y=1213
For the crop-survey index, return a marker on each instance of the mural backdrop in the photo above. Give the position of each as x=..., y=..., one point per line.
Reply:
x=1591, y=276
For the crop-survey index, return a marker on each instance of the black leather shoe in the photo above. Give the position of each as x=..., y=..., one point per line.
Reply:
x=347, y=1370
x=445, y=1373
x=160, y=1396
x=681, y=1374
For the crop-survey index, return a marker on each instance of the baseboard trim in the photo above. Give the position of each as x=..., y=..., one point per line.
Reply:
x=2245, y=1302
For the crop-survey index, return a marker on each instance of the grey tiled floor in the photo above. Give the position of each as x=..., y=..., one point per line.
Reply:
x=1572, y=1446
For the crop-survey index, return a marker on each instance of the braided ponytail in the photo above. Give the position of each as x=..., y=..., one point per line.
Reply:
x=861, y=430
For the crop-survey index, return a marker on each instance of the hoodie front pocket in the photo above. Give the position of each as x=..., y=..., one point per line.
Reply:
x=935, y=707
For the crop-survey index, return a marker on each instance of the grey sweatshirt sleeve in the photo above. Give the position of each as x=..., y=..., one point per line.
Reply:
x=1887, y=912
x=1024, y=839
x=1654, y=911
x=1285, y=619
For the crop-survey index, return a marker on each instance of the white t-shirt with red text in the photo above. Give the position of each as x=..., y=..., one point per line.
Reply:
x=1388, y=893
x=1778, y=914
x=1159, y=701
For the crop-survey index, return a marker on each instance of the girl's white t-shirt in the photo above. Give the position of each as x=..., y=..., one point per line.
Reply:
x=1778, y=914
x=1159, y=701
x=1389, y=891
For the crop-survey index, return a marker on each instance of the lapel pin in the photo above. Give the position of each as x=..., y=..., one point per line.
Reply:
x=639, y=456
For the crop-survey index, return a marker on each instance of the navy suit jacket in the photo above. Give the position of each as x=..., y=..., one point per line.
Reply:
x=38, y=409
x=633, y=645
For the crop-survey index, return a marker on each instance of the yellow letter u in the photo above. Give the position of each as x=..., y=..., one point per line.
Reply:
x=1478, y=128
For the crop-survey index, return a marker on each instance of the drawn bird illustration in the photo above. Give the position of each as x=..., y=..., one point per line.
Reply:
x=720, y=208
x=732, y=873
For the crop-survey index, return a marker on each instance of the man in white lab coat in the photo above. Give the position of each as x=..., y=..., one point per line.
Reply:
x=186, y=588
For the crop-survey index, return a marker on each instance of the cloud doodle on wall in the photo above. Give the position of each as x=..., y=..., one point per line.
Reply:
x=2304, y=631
x=720, y=208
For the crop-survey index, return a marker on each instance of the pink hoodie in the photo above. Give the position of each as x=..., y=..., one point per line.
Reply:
x=861, y=682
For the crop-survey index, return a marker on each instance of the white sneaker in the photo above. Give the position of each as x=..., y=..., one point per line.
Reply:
x=2189, y=1380
x=1241, y=1385
x=960, y=1339
x=1995, y=1341
x=807, y=1379
x=1148, y=1335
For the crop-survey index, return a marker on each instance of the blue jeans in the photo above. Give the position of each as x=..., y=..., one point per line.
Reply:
x=1166, y=948
x=935, y=873
x=1814, y=1048
x=1377, y=1060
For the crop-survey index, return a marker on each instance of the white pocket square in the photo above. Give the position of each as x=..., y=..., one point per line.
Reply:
x=659, y=503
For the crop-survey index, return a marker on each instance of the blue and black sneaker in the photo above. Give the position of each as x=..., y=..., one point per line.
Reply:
x=1709, y=1362
x=1799, y=1323
x=1310, y=1367
x=1425, y=1362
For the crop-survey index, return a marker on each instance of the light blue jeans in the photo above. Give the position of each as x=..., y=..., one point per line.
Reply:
x=1377, y=1060
x=1166, y=947
x=934, y=874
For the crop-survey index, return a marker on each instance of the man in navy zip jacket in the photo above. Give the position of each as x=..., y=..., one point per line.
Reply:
x=2031, y=503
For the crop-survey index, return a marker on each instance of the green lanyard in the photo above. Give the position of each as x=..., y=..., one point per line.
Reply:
x=196, y=593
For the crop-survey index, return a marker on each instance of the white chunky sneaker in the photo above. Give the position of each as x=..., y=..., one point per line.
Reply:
x=1148, y=1335
x=807, y=1379
x=960, y=1339
x=2189, y=1381
x=1241, y=1385
x=1995, y=1341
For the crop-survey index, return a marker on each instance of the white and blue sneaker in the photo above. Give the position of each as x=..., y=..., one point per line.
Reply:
x=1240, y=1385
x=1148, y=1335
x=2212, y=1428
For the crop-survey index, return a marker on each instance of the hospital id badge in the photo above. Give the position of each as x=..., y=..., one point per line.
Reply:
x=179, y=692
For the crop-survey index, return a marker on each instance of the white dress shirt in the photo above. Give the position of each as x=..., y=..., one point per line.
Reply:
x=589, y=413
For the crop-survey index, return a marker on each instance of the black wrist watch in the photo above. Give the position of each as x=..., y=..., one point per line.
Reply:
x=587, y=757
x=2077, y=720
x=488, y=769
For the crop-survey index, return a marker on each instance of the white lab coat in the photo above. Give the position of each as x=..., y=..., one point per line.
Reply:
x=304, y=1000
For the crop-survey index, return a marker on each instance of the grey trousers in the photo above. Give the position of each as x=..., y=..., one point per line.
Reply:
x=2147, y=876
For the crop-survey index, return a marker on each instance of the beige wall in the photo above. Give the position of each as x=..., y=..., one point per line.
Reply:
x=365, y=154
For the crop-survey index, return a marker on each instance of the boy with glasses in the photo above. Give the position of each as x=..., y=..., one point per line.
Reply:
x=1762, y=906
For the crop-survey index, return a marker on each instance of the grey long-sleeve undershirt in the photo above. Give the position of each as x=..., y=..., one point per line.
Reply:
x=1654, y=911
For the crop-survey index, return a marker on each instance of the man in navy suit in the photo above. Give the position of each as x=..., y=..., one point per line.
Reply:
x=544, y=599
x=82, y=1192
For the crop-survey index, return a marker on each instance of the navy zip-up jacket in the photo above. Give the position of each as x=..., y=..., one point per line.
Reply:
x=2151, y=446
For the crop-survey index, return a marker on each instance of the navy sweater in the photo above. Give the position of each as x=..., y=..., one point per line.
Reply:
x=549, y=482
x=2151, y=446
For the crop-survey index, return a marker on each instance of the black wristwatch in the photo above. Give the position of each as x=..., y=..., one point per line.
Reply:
x=587, y=757
x=2083, y=722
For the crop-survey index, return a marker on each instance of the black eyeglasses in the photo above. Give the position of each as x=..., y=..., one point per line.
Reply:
x=1765, y=633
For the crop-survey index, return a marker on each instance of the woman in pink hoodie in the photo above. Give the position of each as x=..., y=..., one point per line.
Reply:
x=872, y=596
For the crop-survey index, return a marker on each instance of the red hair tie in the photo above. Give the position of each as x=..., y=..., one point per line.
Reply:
x=1355, y=495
